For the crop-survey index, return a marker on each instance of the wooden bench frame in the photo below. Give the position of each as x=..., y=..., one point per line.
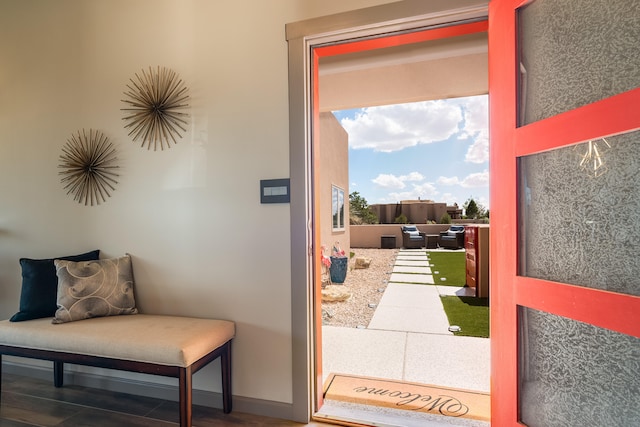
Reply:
x=183, y=374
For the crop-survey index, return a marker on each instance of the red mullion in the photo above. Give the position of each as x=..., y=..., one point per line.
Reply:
x=402, y=39
x=610, y=310
x=503, y=242
x=581, y=124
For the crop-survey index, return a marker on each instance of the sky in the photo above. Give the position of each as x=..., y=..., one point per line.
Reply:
x=436, y=150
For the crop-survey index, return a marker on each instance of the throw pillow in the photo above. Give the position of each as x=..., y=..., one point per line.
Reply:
x=99, y=288
x=40, y=286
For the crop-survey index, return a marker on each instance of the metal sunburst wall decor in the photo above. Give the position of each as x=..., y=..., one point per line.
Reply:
x=88, y=163
x=154, y=101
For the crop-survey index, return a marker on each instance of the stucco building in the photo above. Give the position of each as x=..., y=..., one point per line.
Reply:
x=416, y=211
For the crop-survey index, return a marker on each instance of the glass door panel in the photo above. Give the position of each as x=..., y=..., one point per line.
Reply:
x=576, y=374
x=575, y=212
x=575, y=52
x=579, y=214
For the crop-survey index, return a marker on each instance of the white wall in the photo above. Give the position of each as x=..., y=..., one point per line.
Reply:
x=202, y=243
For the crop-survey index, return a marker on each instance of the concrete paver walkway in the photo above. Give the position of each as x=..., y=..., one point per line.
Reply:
x=426, y=279
x=408, y=337
x=407, y=304
x=407, y=340
x=410, y=308
x=410, y=269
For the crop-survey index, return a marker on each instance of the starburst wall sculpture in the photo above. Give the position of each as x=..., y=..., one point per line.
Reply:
x=88, y=163
x=154, y=99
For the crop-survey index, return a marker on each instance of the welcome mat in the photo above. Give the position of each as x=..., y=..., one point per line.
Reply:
x=449, y=402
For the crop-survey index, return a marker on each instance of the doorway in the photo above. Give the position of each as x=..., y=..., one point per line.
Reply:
x=443, y=48
x=302, y=37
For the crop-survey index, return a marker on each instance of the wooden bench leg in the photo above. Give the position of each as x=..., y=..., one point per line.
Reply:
x=58, y=374
x=225, y=362
x=185, y=396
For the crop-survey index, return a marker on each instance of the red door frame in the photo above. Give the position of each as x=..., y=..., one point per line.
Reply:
x=508, y=142
x=340, y=49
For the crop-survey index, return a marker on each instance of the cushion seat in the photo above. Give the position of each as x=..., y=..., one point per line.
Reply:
x=163, y=340
x=412, y=237
x=453, y=238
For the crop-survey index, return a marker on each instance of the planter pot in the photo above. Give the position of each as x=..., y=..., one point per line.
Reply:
x=338, y=269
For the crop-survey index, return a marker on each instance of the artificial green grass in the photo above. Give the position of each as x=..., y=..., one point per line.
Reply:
x=470, y=313
x=449, y=265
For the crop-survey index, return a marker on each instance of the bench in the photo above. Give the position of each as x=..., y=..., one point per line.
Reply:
x=170, y=346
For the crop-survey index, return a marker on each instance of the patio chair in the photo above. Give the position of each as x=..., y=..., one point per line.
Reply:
x=412, y=238
x=453, y=238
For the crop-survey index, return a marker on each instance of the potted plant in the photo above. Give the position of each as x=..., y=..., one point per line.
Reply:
x=339, y=264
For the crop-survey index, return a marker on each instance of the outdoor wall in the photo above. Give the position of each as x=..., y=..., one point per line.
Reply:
x=368, y=236
x=190, y=216
x=334, y=158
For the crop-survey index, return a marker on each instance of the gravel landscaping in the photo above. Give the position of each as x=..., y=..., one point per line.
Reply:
x=366, y=287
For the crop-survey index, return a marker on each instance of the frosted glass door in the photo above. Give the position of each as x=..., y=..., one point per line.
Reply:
x=565, y=212
x=579, y=212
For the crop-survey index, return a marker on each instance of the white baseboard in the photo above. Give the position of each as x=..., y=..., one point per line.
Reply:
x=210, y=399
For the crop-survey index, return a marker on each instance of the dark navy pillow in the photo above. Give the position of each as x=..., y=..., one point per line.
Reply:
x=40, y=286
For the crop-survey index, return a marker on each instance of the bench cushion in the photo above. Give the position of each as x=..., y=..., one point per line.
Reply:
x=164, y=340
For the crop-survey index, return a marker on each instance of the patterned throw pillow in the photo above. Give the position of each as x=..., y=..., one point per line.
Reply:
x=89, y=289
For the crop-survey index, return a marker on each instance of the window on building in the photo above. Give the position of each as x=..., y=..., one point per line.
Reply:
x=337, y=207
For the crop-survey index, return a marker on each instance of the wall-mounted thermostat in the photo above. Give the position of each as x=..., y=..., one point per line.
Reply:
x=274, y=190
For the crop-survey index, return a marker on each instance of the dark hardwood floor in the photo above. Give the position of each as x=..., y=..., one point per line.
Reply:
x=32, y=402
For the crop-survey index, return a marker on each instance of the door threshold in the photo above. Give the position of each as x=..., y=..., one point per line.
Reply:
x=355, y=414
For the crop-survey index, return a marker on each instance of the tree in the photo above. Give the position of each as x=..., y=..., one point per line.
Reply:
x=473, y=210
x=401, y=219
x=470, y=209
x=445, y=218
x=359, y=211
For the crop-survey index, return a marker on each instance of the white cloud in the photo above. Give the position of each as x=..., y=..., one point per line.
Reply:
x=478, y=151
x=443, y=180
x=482, y=201
x=413, y=176
x=476, y=113
x=388, y=181
x=474, y=180
x=391, y=181
x=448, y=198
x=423, y=191
x=395, y=127
x=476, y=127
